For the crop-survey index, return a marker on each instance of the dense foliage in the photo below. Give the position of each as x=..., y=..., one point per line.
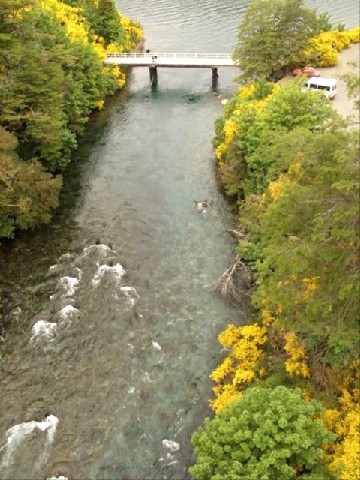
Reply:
x=21, y=206
x=290, y=164
x=253, y=122
x=293, y=169
x=309, y=235
x=52, y=76
x=269, y=434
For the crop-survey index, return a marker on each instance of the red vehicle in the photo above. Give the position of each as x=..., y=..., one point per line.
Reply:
x=307, y=71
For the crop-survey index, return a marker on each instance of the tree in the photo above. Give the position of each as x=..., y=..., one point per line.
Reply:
x=309, y=232
x=108, y=23
x=32, y=93
x=271, y=35
x=49, y=85
x=28, y=194
x=289, y=109
x=256, y=119
x=269, y=434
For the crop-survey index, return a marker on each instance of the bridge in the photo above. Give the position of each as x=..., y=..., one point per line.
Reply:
x=173, y=60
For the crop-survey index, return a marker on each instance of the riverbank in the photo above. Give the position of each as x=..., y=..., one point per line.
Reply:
x=294, y=168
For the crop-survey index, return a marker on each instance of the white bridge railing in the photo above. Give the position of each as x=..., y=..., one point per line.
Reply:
x=222, y=56
x=153, y=60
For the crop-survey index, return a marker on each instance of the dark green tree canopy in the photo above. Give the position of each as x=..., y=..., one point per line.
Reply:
x=107, y=24
x=48, y=85
x=270, y=36
x=269, y=434
x=27, y=192
x=321, y=210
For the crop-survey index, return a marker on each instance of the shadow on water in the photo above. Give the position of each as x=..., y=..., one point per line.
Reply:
x=25, y=260
x=158, y=93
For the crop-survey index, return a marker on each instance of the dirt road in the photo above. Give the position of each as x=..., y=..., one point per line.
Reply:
x=341, y=102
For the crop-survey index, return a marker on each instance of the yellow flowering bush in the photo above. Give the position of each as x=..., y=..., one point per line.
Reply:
x=277, y=187
x=225, y=395
x=71, y=17
x=286, y=343
x=311, y=285
x=267, y=318
x=324, y=48
x=77, y=31
x=247, y=91
x=100, y=104
x=344, y=454
x=338, y=40
x=354, y=35
x=230, y=130
x=224, y=371
x=296, y=363
x=98, y=45
x=239, y=368
x=245, y=98
x=119, y=76
x=134, y=32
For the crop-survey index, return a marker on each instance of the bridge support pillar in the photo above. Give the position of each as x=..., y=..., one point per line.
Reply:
x=215, y=77
x=153, y=76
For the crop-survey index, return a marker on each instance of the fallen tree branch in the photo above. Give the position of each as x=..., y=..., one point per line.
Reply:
x=239, y=236
x=230, y=282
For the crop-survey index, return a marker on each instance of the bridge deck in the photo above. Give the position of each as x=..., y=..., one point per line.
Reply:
x=195, y=60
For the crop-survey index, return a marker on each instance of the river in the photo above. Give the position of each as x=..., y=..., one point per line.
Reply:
x=105, y=366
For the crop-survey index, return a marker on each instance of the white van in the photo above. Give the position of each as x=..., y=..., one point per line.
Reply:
x=327, y=85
